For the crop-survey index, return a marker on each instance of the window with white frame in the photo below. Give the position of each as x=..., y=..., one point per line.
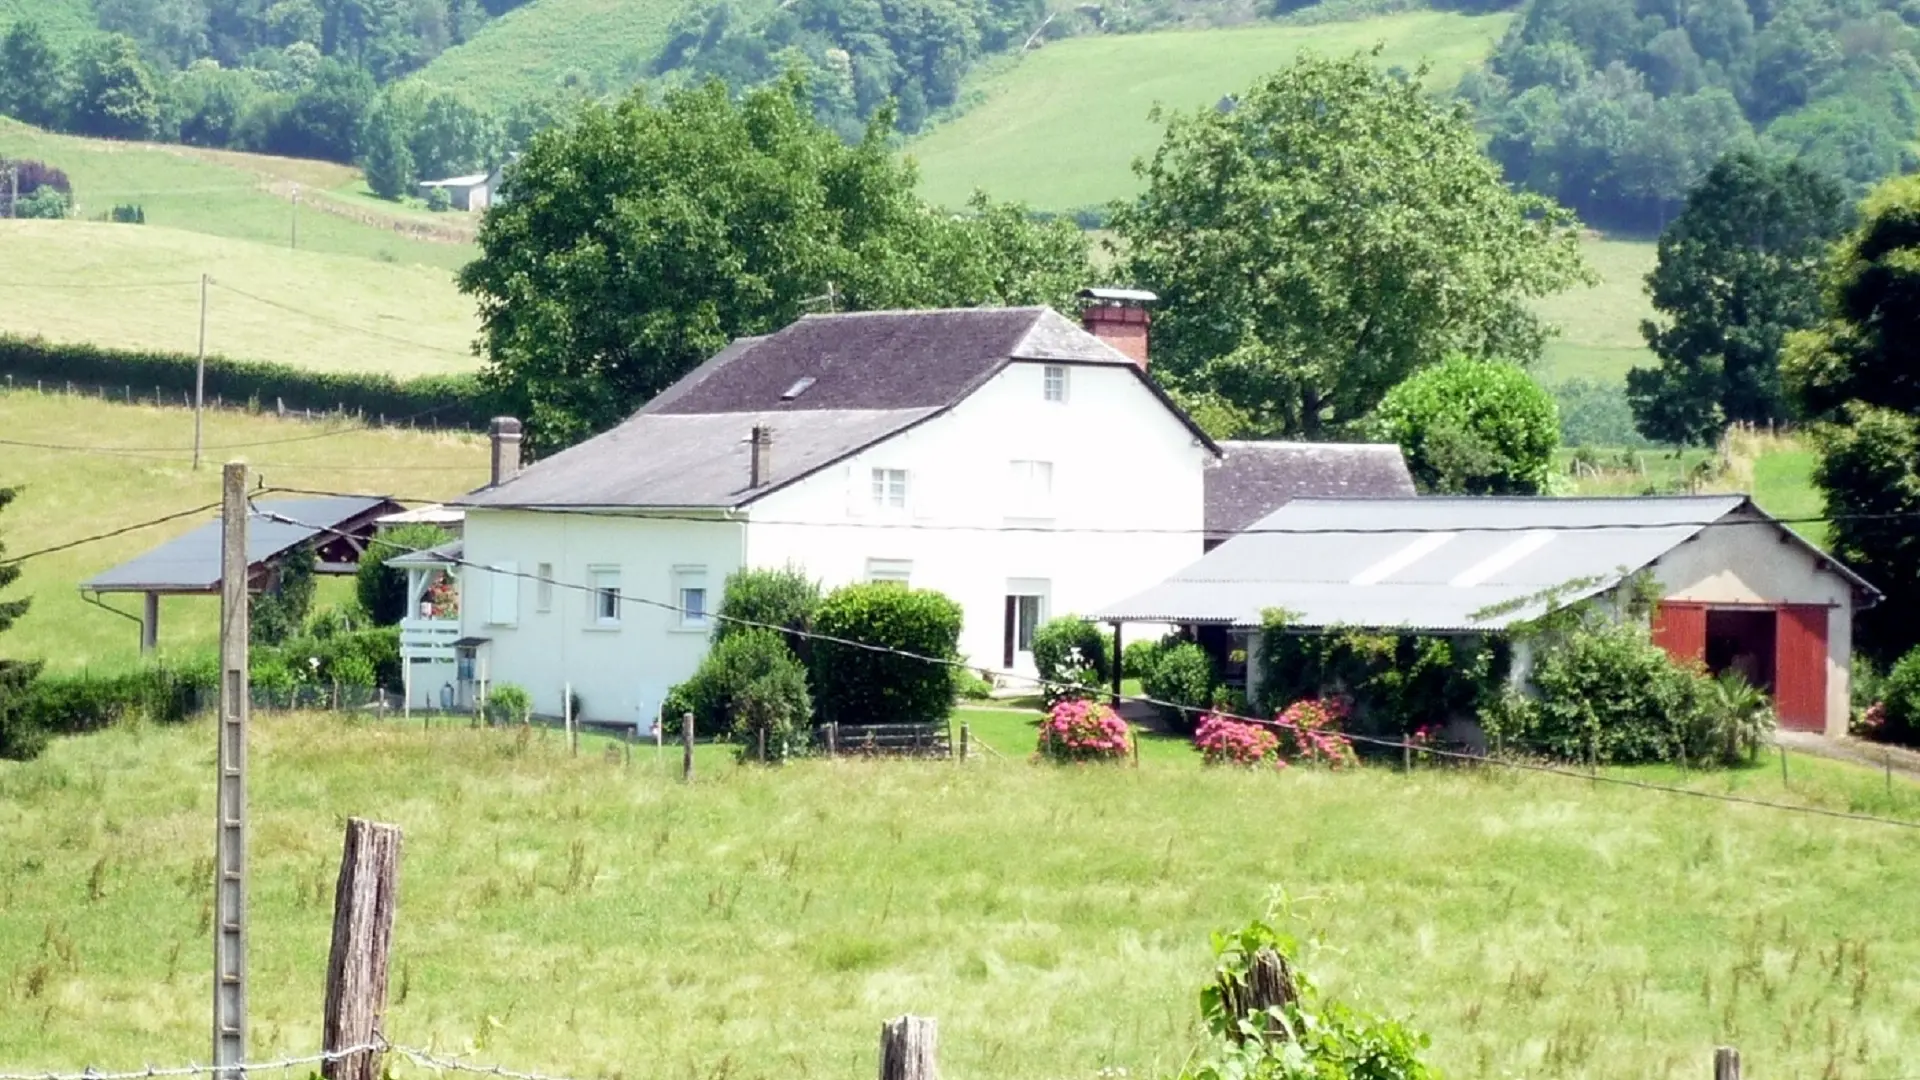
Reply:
x=895, y=570
x=604, y=596
x=1030, y=489
x=690, y=596
x=543, y=587
x=1053, y=378
x=890, y=489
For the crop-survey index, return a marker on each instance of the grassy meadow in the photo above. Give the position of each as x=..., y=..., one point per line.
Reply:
x=66, y=495
x=1600, y=324
x=242, y=197
x=1060, y=128
x=137, y=287
x=539, y=47
x=589, y=917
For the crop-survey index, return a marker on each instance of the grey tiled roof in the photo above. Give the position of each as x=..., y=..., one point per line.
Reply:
x=860, y=378
x=1429, y=563
x=1253, y=479
x=191, y=563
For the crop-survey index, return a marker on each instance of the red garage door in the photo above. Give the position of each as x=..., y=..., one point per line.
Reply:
x=1681, y=629
x=1800, y=667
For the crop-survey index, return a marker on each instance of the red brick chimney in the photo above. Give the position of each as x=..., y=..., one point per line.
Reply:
x=1119, y=318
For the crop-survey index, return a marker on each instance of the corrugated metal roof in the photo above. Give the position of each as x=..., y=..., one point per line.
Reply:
x=695, y=460
x=1424, y=563
x=191, y=563
x=1253, y=479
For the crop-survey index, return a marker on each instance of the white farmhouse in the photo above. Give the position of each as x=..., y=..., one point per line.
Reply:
x=1006, y=457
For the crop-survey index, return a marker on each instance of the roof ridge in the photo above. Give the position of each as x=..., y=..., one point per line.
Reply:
x=976, y=309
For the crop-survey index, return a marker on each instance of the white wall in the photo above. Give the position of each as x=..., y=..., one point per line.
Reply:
x=1736, y=565
x=1119, y=460
x=620, y=671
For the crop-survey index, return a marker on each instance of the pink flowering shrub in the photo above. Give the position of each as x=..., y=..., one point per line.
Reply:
x=1078, y=730
x=1310, y=733
x=1224, y=740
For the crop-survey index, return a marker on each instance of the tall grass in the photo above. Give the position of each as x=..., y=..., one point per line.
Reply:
x=594, y=917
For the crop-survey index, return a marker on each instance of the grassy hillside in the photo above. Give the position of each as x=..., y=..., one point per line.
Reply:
x=599, y=44
x=241, y=197
x=67, y=495
x=138, y=287
x=589, y=918
x=1060, y=128
x=1600, y=326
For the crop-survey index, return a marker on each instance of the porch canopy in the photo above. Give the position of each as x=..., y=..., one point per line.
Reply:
x=1430, y=564
x=335, y=526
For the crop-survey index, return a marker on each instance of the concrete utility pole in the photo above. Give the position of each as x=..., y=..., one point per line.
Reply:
x=230, y=805
x=200, y=372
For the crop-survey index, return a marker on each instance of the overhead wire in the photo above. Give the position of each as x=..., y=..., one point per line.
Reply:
x=1038, y=682
x=108, y=535
x=327, y=320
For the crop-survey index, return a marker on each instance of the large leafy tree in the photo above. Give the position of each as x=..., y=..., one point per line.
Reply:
x=31, y=75
x=114, y=93
x=17, y=739
x=640, y=238
x=1736, y=272
x=1326, y=235
x=1858, y=374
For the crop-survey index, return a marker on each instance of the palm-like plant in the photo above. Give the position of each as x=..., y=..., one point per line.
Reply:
x=1739, y=718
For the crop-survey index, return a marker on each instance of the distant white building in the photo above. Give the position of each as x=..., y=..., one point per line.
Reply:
x=473, y=193
x=1018, y=463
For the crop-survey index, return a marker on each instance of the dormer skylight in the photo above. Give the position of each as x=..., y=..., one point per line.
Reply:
x=799, y=387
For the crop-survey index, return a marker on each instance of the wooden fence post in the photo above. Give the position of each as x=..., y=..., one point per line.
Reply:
x=833, y=746
x=686, y=740
x=363, y=905
x=966, y=736
x=1726, y=1063
x=907, y=1049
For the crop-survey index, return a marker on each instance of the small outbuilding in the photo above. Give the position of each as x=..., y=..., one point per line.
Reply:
x=336, y=527
x=1738, y=589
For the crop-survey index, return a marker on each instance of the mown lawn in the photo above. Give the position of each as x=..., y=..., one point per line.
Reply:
x=1600, y=324
x=594, y=917
x=138, y=287
x=66, y=495
x=1060, y=128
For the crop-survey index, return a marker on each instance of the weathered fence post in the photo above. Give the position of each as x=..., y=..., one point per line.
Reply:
x=833, y=745
x=761, y=735
x=1726, y=1063
x=907, y=1049
x=1783, y=766
x=363, y=905
x=1269, y=985
x=966, y=736
x=686, y=740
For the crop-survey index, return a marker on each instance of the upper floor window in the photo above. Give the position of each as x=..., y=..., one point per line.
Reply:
x=1030, y=488
x=890, y=489
x=543, y=587
x=690, y=596
x=605, y=595
x=1054, y=379
x=899, y=571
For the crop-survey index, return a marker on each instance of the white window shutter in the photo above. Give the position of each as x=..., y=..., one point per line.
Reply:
x=504, y=609
x=859, y=490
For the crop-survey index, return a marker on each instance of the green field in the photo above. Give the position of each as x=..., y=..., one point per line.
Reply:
x=1059, y=129
x=600, y=45
x=1600, y=325
x=67, y=495
x=587, y=917
x=65, y=21
x=240, y=197
x=128, y=286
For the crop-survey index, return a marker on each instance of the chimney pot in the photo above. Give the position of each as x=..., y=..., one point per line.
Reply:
x=504, y=435
x=1119, y=318
x=761, y=465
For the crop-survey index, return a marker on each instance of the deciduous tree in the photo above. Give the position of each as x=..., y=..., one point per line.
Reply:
x=17, y=739
x=31, y=75
x=1330, y=233
x=114, y=93
x=1737, y=271
x=1858, y=373
x=642, y=237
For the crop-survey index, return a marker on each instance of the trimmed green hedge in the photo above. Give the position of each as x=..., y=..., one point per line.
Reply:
x=446, y=400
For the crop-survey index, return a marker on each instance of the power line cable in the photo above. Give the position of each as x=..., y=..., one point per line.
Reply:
x=138, y=451
x=338, y=324
x=811, y=635
x=109, y=534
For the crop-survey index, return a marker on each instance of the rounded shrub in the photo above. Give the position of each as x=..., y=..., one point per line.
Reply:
x=1138, y=658
x=1473, y=427
x=784, y=598
x=1607, y=693
x=1057, y=638
x=862, y=685
x=508, y=703
x=1077, y=730
x=1181, y=682
x=1900, y=701
x=748, y=683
